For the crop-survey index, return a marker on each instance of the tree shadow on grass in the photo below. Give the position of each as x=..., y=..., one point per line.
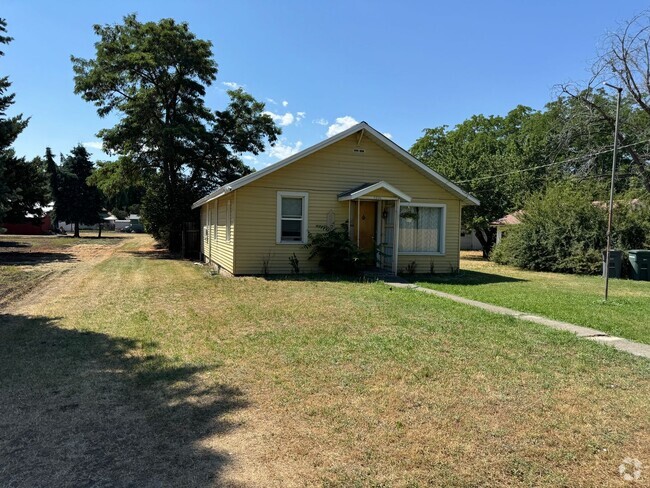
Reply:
x=86, y=409
x=464, y=277
x=20, y=258
x=14, y=244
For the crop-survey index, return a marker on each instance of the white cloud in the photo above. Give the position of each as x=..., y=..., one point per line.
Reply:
x=341, y=124
x=388, y=134
x=282, y=150
x=300, y=116
x=231, y=84
x=93, y=144
x=320, y=121
x=283, y=120
x=285, y=103
x=270, y=100
x=249, y=157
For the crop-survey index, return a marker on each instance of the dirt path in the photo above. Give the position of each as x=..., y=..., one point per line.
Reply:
x=53, y=270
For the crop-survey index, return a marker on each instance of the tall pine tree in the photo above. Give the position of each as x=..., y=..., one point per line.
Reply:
x=75, y=201
x=10, y=127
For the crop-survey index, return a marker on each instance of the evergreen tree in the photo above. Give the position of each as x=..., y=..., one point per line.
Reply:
x=154, y=76
x=10, y=127
x=76, y=201
x=29, y=189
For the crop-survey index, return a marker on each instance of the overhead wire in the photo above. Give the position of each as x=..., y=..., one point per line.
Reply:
x=577, y=158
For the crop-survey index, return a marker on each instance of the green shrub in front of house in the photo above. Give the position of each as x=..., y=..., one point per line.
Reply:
x=336, y=252
x=561, y=231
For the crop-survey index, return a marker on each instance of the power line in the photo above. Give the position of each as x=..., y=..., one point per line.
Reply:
x=577, y=158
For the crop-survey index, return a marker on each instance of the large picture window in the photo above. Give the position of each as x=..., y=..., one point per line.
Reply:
x=422, y=229
x=292, y=218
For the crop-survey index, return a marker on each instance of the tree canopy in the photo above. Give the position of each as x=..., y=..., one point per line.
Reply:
x=75, y=201
x=10, y=128
x=155, y=75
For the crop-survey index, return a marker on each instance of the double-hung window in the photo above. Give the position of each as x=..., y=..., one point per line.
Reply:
x=292, y=217
x=422, y=229
x=228, y=220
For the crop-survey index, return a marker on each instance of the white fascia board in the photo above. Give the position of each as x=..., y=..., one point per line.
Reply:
x=369, y=189
x=378, y=136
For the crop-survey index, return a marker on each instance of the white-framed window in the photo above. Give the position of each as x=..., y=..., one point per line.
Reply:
x=216, y=220
x=422, y=228
x=292, y=217
x=228, y=220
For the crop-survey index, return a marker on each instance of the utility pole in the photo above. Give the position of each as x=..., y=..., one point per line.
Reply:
x=611, y=189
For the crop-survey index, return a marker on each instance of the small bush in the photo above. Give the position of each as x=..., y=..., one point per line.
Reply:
x=411, y=268
x=295, y=264
x=336, y=252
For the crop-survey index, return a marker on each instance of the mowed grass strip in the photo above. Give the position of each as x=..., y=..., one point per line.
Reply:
x=350, y=384
x=60, y=241
x=570, y=298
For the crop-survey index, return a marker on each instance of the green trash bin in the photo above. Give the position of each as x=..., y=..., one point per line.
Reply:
x=640, y=262
x=615, y=261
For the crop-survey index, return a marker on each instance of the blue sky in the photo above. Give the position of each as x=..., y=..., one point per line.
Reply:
x=319, y=66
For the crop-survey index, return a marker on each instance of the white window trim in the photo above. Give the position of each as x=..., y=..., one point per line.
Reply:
x=229, y=221
x=443, y=231
x=216, y=220
x=305, y=207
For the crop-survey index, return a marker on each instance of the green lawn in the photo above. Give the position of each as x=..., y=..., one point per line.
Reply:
x=142, y=370
x=571, y=298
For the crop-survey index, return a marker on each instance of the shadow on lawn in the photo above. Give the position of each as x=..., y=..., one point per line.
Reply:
x=86, y=409
x=158, y=251
x=19, y=258
x=14, y=244
x=464, y=277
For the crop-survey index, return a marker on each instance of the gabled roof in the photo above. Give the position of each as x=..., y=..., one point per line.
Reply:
x=373, y=134
x=511, y=219
x=366, y=188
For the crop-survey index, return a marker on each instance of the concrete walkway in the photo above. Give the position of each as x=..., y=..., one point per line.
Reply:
x=619, y=343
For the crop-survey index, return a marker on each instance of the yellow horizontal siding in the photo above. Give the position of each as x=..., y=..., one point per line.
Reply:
x=324, y=175
x=380, y=192
x=216, y=249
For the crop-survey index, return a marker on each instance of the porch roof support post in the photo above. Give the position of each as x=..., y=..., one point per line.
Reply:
x=396, y=237
x=358, y=221
x=349, y=218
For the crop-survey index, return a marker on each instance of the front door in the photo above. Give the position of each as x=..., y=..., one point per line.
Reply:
x=367, y=228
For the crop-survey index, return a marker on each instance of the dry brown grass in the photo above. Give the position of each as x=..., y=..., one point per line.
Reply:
x=144, y=371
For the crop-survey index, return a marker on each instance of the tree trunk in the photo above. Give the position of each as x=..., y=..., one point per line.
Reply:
x=76, y=229
x=486, y=240
x=100, y=231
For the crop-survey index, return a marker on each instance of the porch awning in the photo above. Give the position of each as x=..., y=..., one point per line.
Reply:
x=367, y=189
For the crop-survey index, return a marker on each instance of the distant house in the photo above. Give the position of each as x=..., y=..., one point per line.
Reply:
x=133, y=219
x=391, y=203
x=31, y=224
x=505, y=222
x=469, y=241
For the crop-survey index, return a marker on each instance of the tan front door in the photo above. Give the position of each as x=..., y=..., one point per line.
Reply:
x=367, y=225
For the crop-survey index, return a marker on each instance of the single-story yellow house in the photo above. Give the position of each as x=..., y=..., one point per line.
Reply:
x=390, y=201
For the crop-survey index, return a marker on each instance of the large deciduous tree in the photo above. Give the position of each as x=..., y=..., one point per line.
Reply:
x=624, y=61
x=75, y=201
x=10, y=128
x=486, y=156
x=155, y=75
